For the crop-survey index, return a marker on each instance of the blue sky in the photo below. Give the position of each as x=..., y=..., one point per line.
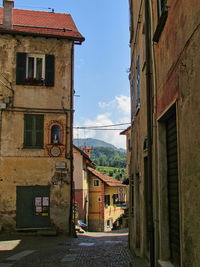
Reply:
x=101, y=62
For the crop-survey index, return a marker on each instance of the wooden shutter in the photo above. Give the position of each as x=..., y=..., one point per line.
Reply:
x=39, y=126
x=173, y=192
x=133, y=99
x=21, y=68
x=28, y=128
x=33, y=131
x=49, y=70
x=138, y=81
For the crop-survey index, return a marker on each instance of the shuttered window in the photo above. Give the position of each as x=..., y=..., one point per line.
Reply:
x=133, y=98
x=33, y=131
x=32, y=69
x=138, y=81
x=49, y=70
x=21, y=68
x=173, y=191
x=161, y=6
x=107, y=200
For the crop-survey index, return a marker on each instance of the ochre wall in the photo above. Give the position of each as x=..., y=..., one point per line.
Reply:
x=20, y=166
x=98, y=213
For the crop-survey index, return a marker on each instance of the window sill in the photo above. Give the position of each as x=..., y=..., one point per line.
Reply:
x=25, y=147
x=160, y=26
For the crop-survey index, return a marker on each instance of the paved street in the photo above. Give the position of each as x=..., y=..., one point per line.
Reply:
x=99, y=249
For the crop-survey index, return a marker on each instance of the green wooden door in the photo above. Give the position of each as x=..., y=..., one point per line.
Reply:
x=33, y=207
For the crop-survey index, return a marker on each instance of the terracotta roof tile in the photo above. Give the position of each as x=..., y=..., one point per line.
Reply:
x=105, y=178
x=47, y=23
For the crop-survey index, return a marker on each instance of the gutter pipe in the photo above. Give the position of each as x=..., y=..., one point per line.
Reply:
x=149, y=133
x=155, y=152
x=71, y=223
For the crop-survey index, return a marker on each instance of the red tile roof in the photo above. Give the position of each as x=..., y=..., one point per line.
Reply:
x=105, y=178
x=44, y=23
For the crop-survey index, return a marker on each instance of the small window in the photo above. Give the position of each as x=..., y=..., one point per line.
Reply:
x=35, y=69
x=115, y=199
x=33, y=131
x=96, y=182
x=108, y=223
x=161, y=6
x=107, y=200
x=162, y=17
x=55, y=134
x=99, y=199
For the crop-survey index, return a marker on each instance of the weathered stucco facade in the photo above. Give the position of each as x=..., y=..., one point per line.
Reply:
x=44, y=109
x=167, y=191
x=81, y=182
x=103, y=201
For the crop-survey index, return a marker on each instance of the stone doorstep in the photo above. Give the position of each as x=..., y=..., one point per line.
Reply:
x=165, y=263
x=37, y=231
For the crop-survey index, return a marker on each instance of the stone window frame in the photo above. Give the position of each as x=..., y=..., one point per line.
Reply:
x=35, y=57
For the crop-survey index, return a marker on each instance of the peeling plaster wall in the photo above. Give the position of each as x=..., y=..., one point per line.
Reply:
x=178, y=79
x=27, y=167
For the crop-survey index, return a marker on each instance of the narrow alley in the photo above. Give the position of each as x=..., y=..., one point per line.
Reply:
x=88, y=249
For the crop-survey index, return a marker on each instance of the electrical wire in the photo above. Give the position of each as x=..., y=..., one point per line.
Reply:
x=101, y=126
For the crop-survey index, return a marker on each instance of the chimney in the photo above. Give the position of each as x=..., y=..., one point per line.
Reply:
x=88, y=150
x=7, y=14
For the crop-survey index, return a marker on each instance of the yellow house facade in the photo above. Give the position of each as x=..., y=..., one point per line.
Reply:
x=106, y=201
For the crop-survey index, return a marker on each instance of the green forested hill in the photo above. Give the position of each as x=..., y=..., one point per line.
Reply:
x=95, y=143
x=107, y=156
x=103, y=154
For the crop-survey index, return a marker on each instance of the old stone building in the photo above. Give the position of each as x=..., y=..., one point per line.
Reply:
x=36, y=118
x=164, y=169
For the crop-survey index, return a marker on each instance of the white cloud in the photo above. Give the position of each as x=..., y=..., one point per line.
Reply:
x=122, y=103
x=111, y=136
x=109, y=104
x=118, y=111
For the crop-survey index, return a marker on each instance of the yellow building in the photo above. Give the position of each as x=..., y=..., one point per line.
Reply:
x=36, y=118
x=81, y=181
x=106, y=201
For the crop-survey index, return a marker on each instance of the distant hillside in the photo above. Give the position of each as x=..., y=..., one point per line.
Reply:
x=95, y=143
x=102, y=153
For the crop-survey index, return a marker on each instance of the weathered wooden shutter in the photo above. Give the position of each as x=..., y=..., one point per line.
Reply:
x=133, y=99
x=33, y=131
x=173, y=192
x=138, y=81
x=21, y=68
x=39, y=127
x=28, y=129
x=49, y=70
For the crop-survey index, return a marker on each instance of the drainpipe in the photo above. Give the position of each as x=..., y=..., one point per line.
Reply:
x=149, y=134
x=71, y=223
x=155, y=154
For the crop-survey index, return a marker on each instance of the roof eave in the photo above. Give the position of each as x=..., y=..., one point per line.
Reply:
x=76, y=40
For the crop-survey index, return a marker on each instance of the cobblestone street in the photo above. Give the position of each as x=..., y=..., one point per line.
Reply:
x=89, y=249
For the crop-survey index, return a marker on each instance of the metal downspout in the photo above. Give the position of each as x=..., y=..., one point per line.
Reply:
x=71, y=223
x=155, y=152
x=149, y=134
